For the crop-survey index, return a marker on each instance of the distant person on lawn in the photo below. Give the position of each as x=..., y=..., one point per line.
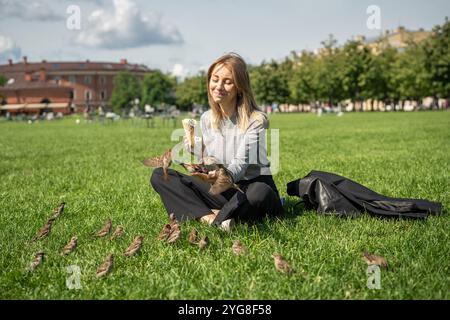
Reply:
x=233, y=132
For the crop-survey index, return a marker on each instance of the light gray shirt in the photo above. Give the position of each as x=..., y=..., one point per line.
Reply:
x=244, y=154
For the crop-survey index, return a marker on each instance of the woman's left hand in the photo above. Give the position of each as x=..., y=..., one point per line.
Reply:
x=211, y=177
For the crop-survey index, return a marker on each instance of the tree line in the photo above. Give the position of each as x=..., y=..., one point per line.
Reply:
x=352, y=72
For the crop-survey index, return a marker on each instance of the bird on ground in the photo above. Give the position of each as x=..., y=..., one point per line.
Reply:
x=134, y=247
x=164, y=233
x=172, y=219
x=37, y=260
x=163, y=162
x=238, y=248
x=203, y=243
x=58, y=210
x=45, y=231
x=372, y=259
x=70, y=246
x=193, y=236
x=106, y=229
x=106, y=267
x=117, y=233
x=282, y=265
x=175, y=233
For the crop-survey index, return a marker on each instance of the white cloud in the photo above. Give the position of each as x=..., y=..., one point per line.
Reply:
x=8, y=49
x=28, y=10
x=179, y=71
x=126, y=27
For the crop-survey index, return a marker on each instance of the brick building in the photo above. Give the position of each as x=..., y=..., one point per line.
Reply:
x=61, y=86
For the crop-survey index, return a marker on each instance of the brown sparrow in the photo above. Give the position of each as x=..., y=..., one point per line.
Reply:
x=192, y=237
x=134, y=247
x=58, y=210
x=36, y=261
x=282, y=265
x=372, y=259
x=105, y=229
x=117, y=233
x=164, y=233
x=106, y=267
x=163, y=161
x=238, y=248
x=70, y=246
x=223, y=182
x=203, y=243
x=45, y=230
x=175, y=233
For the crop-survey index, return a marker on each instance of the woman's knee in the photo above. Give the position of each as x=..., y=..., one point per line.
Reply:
x=156, y=176
x=258, y=192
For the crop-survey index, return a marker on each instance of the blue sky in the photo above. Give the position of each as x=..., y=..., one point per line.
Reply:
x=185, y=36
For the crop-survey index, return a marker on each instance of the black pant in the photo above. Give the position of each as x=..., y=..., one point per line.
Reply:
x=188, y=198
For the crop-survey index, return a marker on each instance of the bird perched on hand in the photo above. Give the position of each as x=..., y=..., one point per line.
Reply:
x=106, y=267
x=193, y=236
x=70, y=246
x=105, y=229
x=203, y=243
x=117, y=233
x=163, y=162
x=223, y=182
x=58, y=210
x=37, y=260
x=134, y=247
x=175, y=233
x=45, y=230
x=282, y=265
x=238, y=248
x=372, y=259
x=164, y=233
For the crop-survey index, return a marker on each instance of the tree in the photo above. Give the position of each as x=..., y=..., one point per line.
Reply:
x=157, y=88
x=192, y=90
x=2, y=80
x=437, y=51
x=126, y=90
x=269, y=83
x=303, y=82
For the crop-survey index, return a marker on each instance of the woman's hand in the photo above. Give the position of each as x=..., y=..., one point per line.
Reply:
x=210, y=177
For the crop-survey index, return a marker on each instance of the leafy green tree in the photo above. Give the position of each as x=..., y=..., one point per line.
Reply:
x=126, y=90
x=437, y=51
x=192, y=90
x=303, y=82
x=157, y=89
x=2, y=80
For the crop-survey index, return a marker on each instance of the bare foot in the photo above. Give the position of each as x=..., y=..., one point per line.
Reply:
x=209, y=218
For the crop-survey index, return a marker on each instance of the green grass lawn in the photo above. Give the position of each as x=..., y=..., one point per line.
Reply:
x=95, y=169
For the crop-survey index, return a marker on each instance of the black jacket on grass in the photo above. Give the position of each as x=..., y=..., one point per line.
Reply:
x=333, y=194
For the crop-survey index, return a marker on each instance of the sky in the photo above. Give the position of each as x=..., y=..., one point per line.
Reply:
x=183, y=37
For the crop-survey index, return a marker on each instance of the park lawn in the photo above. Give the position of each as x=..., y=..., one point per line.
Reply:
x=95, y=168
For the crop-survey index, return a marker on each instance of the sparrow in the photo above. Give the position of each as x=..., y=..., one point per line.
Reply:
x=203, y=243
x=37, y=260
x=194, y=167
x=105, y=230
x=134, y=247
x=58, y=210
x=45, y=230
x=223, y=182
x=175, y=233
x=70, y=246
x=238, y=248
x=189, y=130
x=372, y=259
x=106, y=267
x=117, y=233
x=164, y=233
x=163, y=161
x=282, y=265
x=193, y=236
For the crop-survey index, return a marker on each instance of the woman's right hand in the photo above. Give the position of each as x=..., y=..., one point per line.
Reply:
x=211, y=177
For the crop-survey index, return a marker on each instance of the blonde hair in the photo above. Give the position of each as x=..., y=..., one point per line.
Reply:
x=246, y=106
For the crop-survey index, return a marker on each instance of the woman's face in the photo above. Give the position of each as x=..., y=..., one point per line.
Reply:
x=221, y=85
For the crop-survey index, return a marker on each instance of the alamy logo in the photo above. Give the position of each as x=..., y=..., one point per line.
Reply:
x=374, y=19
x=373, y=277
x=73, y=280
x=73, y=21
